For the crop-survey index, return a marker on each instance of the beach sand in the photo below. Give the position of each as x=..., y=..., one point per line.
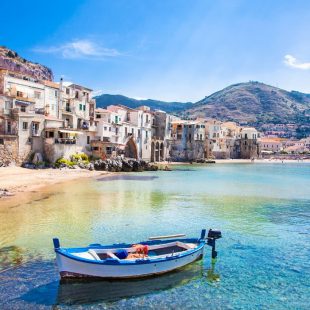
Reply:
x=17, y=180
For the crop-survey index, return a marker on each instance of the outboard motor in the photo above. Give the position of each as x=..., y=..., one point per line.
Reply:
x=213, y=235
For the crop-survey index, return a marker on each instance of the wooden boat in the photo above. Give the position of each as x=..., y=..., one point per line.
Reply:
x=156, y=256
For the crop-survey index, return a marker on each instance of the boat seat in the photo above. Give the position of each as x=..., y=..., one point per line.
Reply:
x=186, y=246
x=112, y=255
x=94, y=254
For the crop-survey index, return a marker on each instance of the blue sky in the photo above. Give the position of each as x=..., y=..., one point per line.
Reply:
x=164, y=49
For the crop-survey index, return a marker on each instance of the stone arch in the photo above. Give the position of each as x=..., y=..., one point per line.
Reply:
x=161, y=151
x=131, y=149
x=157, y=155
x=152, y=151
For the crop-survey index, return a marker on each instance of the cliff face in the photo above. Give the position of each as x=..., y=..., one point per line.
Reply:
x=10, y=60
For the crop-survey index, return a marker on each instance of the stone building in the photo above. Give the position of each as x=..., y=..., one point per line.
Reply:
x=161, y=135
x=188, y=140
x=248, y=143
x=22, y=113
x=71, y=128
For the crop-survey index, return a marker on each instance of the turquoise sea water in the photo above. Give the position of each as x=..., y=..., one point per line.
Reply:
x=262, y=210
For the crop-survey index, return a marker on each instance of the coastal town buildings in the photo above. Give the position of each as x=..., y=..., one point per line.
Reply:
x=41, y=120
x=123, y=131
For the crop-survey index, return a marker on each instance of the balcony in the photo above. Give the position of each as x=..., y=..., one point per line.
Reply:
x=67, y=110
x=11, y=132
x=65, y=141
x=35, y=133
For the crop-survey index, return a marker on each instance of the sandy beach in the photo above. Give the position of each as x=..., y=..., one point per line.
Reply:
x=17, y=180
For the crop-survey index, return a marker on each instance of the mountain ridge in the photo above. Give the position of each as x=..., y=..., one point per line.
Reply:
x=102, y=101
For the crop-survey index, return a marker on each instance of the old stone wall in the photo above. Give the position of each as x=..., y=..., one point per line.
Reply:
x=249, y=148
x=9, y=150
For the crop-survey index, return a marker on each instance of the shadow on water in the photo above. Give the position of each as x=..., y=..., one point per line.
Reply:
x=79, y=292
x=127, y=177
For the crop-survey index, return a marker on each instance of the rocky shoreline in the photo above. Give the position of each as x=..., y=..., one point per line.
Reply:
x=118, y=164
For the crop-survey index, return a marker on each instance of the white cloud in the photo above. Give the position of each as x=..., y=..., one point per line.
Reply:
x=292, y=62
x=80, y=49
x=98, y=92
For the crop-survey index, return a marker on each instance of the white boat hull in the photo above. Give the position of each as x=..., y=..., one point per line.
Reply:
x=73, y=268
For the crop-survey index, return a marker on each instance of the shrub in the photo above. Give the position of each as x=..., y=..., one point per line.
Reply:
x=79, y=157
x=63, y=161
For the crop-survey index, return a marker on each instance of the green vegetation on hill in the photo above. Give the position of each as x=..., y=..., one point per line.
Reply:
x=256, y=104
x=104, y=100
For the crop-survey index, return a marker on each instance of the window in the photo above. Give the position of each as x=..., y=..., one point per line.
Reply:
x=81, y=107
x=190, y=137
x=23, y=108
x=8, y=105
x=125, y=131
x=25, y=125
x=98, y=116
x=132, y=131
x=1, y=141
x=9, y=127
x=88, y=139
x=76, y=94
x=37, y=94
x=139, y=133
x=84, y=107
x=49, y=134
x=109, y=128
x=146, y=134
x=67, y=91
x=200, y=137
x=56, y=93
x=19, y=94
x=246, y=136
x=105, y=128
x=95, y=148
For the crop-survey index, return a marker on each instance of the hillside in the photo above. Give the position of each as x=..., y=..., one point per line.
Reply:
x=10, y=60
x=254, y=103
x=170, y=107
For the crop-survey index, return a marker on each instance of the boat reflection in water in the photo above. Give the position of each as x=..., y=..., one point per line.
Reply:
x=83, y=291
x=79, y=292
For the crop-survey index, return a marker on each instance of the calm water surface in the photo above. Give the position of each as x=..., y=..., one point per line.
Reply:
x=264, y=256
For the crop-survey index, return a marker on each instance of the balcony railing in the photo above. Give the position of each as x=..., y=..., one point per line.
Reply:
x=65, y=141
x=12, y=132
x=35, y=133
